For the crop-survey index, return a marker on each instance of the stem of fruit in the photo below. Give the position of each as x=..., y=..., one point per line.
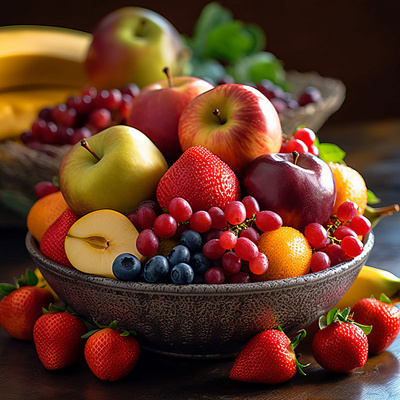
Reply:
x=169, y=77
x=98, y=242
x=217, y=113
x=296, y=156
x=85, y=144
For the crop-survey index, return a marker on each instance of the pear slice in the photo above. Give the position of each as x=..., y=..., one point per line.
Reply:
x=96, y=239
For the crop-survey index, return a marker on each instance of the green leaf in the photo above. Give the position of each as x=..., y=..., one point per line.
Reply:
x=366, y=328
x=209, y=68
x=31, y=278
x=6, y=289
x=17, y=202
x=259, y=66
x=234, y=40
x=90, y=333
x=322, y=322
x=332, y=315
x=329, y=152
x=114, y=325
x=371, y=198
x=298, y=338
x=211, y=16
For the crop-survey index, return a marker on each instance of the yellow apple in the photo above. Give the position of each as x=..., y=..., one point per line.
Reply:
x=96, y=239
x=123, y=170
x=133, y=45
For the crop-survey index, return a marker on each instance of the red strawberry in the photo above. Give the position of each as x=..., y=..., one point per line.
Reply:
x=22, y=306
x=52, y=243
x=58, y=338
x=384, y=318
x=341, y=345
x=267, y=358
x=201, y=178
x=111, y=354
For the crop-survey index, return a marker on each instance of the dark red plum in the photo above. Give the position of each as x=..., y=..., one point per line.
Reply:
x=299, y=187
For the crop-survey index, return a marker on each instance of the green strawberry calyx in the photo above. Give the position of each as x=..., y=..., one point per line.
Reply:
x=335, y=315
x=113, y=325
x=383, y=298
x=294, y=343
x=29, y=279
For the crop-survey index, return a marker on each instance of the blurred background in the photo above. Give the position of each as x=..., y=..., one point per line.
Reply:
x=355, y=41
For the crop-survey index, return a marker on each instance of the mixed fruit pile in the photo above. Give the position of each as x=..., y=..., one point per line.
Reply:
x=186, y=180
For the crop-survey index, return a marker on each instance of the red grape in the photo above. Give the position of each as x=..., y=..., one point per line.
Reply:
x=180, y=209
x=251, y=205
x=259, y=265
x=200, y=221
x=268, y=221
x=306, y=135
x=231, y=262
x=347, y=211
x=352, y=246
x=227, y=240
x=360, y=225
x=235, y=212
x=213, y=250
x=320, y=261
x=218, y=218
x=165, y=226
x=214, y=275
x=147, y=243
x=316, y=234
x=246, y=249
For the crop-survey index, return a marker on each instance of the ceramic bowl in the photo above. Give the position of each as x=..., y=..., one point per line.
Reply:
x=202, y=320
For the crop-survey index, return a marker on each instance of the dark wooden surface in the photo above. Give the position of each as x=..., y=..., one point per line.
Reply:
x=372, y=149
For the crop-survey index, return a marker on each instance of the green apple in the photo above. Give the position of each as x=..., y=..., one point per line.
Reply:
x=121, y=169
x=133, y=45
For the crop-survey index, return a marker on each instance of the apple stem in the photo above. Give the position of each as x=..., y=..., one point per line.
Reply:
x=169, y=77
x=217, y=113
x=85, y=144
x=296, y=156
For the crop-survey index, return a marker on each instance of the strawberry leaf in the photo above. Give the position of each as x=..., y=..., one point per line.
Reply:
x=31, y=278
x=6, y=289
x=332, y=315
x=366, y=328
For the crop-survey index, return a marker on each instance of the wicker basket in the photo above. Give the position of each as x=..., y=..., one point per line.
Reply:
x=21, y=167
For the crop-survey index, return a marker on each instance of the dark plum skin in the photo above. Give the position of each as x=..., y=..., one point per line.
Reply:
x=300, y=193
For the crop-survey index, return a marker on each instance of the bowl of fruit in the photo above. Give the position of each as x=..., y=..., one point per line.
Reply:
x=199, y=256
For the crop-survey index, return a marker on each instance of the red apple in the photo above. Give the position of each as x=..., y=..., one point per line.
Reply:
x=158, y=107
x=133, y=45
x=299, y=187
x=236, y=122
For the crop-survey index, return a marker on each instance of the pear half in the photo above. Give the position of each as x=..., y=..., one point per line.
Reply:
x=96, y=239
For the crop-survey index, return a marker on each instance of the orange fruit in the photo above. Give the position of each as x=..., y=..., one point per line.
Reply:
x=44, y=212
x=350, y=186
x=288, y=252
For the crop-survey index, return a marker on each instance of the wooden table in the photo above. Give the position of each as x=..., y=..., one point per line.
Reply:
x=373, y=149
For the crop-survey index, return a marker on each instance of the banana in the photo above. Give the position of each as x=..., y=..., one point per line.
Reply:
x=39, y=66
x=42, y=56
x=370, y=281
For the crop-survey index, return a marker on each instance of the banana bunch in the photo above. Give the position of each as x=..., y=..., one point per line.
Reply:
x=39, y=66
x=371, y=281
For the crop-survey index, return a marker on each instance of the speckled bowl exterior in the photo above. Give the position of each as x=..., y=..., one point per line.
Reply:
x=201, y=321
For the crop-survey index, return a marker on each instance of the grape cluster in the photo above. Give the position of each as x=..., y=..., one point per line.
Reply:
x=214, y=246
x=80, y=116
x=283, y=101
x=302, y=141
x=339, y=241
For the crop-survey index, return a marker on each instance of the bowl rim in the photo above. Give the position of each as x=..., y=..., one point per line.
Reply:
x=201, y=288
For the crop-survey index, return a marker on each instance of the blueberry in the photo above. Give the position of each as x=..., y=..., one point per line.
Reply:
x=200, y=263
x=126, y=267
x=156, y=269
x=192, y=240
x=177, y=255
x=182, y=274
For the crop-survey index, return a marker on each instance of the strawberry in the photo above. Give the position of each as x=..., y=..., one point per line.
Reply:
x=267, y=358
x=52, y=243
x=384, y=318
x=22, y=306
x=110, y=353
x=58, y=338
x=341, y=345
x=201, y=178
